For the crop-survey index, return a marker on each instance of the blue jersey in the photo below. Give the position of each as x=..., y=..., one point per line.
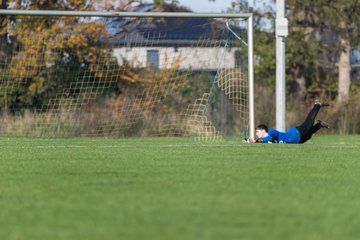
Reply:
x=291, y=136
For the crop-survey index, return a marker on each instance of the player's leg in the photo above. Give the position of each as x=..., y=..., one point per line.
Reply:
x=306, y=126
x=320, y=124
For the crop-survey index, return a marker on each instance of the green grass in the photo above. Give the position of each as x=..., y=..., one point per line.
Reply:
x=169, y=188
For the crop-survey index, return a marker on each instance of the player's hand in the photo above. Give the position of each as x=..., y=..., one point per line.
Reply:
x=249, y=140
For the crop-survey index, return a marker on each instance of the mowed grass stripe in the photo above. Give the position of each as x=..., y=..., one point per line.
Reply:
x=173, y=188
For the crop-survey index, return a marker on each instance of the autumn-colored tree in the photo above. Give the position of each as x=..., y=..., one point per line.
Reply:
x=42, y=50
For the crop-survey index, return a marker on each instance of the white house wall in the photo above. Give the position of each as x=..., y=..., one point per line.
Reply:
x=198, y=58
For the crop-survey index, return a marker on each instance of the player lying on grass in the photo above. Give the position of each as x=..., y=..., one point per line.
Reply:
x=299, y=134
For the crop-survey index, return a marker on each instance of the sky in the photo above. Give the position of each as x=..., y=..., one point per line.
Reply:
x=205, y=6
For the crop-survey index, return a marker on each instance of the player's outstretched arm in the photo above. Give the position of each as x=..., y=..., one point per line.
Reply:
x=251, y=140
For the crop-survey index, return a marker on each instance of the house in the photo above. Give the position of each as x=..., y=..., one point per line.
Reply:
x=196, y=43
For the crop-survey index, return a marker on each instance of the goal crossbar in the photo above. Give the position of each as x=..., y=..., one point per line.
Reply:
x=123, y=14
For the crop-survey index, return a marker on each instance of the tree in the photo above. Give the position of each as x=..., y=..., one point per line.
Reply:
x=264, y=42
x=45, y=52
x=337, y=25
x=38, y=47
x=322, y=34
x=303, y=50
x=343, y=18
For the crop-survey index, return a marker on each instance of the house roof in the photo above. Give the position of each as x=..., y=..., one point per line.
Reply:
x=165, y=31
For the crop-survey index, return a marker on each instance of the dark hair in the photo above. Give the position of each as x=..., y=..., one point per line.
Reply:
x=262, y=127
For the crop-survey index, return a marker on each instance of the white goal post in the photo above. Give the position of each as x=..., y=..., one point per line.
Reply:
x=220, y=74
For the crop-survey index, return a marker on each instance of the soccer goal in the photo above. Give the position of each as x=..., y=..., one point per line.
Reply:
x=71, y=73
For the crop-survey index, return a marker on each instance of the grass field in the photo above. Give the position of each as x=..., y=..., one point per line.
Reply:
x=171, y=188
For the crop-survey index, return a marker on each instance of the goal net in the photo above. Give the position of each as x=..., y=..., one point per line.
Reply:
x=124, y=76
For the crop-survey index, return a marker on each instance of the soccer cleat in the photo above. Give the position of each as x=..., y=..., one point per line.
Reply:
x=322, y=104
x=324, y=124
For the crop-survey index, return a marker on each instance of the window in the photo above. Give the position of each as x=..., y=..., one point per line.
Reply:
x=153, y=59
